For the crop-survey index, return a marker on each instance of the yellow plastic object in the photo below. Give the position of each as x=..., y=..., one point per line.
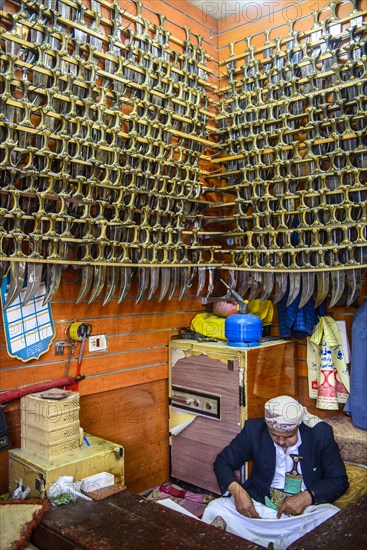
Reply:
x=264, y=310
x=73, y=331
x=209, y=325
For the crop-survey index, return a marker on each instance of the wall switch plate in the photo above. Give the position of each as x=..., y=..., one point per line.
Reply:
x=59, y=347
x=97, y=342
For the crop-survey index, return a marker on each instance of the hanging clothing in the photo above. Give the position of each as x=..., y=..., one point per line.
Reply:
x=298, y=322
x=328, y=375
x=356, y=405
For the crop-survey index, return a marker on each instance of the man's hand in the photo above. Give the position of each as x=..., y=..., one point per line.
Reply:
x=294, y=505
x=243, y=501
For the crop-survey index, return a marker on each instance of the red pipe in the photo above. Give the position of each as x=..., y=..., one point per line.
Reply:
x=34, y=388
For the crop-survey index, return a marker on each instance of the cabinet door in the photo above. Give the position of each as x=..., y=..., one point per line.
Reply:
x=271, y=371
x=208, y=388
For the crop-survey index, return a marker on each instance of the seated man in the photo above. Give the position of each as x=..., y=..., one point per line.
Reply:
x=297, y=472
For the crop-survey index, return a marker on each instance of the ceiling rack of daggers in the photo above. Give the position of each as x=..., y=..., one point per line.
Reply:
x=355, y=15
x=106, y=138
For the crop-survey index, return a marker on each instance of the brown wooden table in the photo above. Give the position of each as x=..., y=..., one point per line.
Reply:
x=128, y=521
x=346, y=530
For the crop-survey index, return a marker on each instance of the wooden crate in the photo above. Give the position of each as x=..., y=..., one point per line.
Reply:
x=39, y=474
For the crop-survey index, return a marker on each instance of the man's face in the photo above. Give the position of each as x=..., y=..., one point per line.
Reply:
x=284, y=439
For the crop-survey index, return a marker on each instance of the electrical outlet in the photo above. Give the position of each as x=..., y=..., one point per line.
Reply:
x=59, y=347
x=97, y=342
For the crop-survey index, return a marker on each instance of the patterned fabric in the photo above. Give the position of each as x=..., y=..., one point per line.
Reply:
x=352, y=441
x=328, y=376
x=357, y=476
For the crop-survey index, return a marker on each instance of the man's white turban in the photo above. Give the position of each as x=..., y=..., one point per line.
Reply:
x=285, y=414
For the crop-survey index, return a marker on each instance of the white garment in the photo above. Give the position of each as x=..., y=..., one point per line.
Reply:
x=281, y=532
x=284, y=463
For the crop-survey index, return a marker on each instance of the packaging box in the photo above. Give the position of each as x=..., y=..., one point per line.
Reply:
x=39, y=473
x=97, y=481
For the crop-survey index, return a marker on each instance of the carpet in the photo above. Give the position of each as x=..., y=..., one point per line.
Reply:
x=18, y=518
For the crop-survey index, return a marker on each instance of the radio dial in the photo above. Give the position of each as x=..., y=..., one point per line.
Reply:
x=194, y=402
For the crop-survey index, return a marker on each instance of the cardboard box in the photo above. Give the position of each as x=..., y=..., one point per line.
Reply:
x=39, y=473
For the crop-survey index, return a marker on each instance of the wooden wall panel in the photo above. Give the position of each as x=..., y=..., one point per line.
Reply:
x=136, y=418
x=136, y=364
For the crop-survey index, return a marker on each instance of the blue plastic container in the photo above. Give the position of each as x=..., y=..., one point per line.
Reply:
x=243, y=330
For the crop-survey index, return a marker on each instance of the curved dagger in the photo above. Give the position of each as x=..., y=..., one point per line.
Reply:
x=52, y=282
x=112, y=283
x=232, y=279
x=125, y=283
x=143, y=283
x=268, y=283
x=87, y=277
x=338, y=283
x=210, y=282
x=281, y=282
x=308, y=285
x=154, y=280
x=243, y=282
x=294, y=287
x=17, y=275
x=354, y=285
x=33, y=282
x=175, y=278
x=4, y=270
x=256, y=282
x=322, y=279
x=185, y=282
x=201, y=280
x=99, y=276
x=165, y=281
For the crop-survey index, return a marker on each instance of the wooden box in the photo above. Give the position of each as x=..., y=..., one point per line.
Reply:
x=39, y=474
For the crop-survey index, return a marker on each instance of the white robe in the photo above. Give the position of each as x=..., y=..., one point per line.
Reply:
x=281, y=532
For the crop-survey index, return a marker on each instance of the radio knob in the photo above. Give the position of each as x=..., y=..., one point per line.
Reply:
x=194, y=402
x=208, y=406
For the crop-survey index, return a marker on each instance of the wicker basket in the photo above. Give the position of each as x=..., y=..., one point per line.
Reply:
x=46, y=449
x=49, y=427
x=56, y=435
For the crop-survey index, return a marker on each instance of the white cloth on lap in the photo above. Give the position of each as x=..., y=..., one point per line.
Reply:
x=281, y=532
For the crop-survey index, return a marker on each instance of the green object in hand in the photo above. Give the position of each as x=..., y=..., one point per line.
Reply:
x=270, y=504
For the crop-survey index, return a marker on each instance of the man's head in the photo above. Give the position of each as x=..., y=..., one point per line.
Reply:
x=284, y=439
x=283, y=414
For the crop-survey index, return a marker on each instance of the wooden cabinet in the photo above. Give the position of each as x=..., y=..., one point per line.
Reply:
x=39, y=473
x=214, y=389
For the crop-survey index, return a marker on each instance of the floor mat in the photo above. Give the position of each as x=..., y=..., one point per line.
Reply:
x=193, y=502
